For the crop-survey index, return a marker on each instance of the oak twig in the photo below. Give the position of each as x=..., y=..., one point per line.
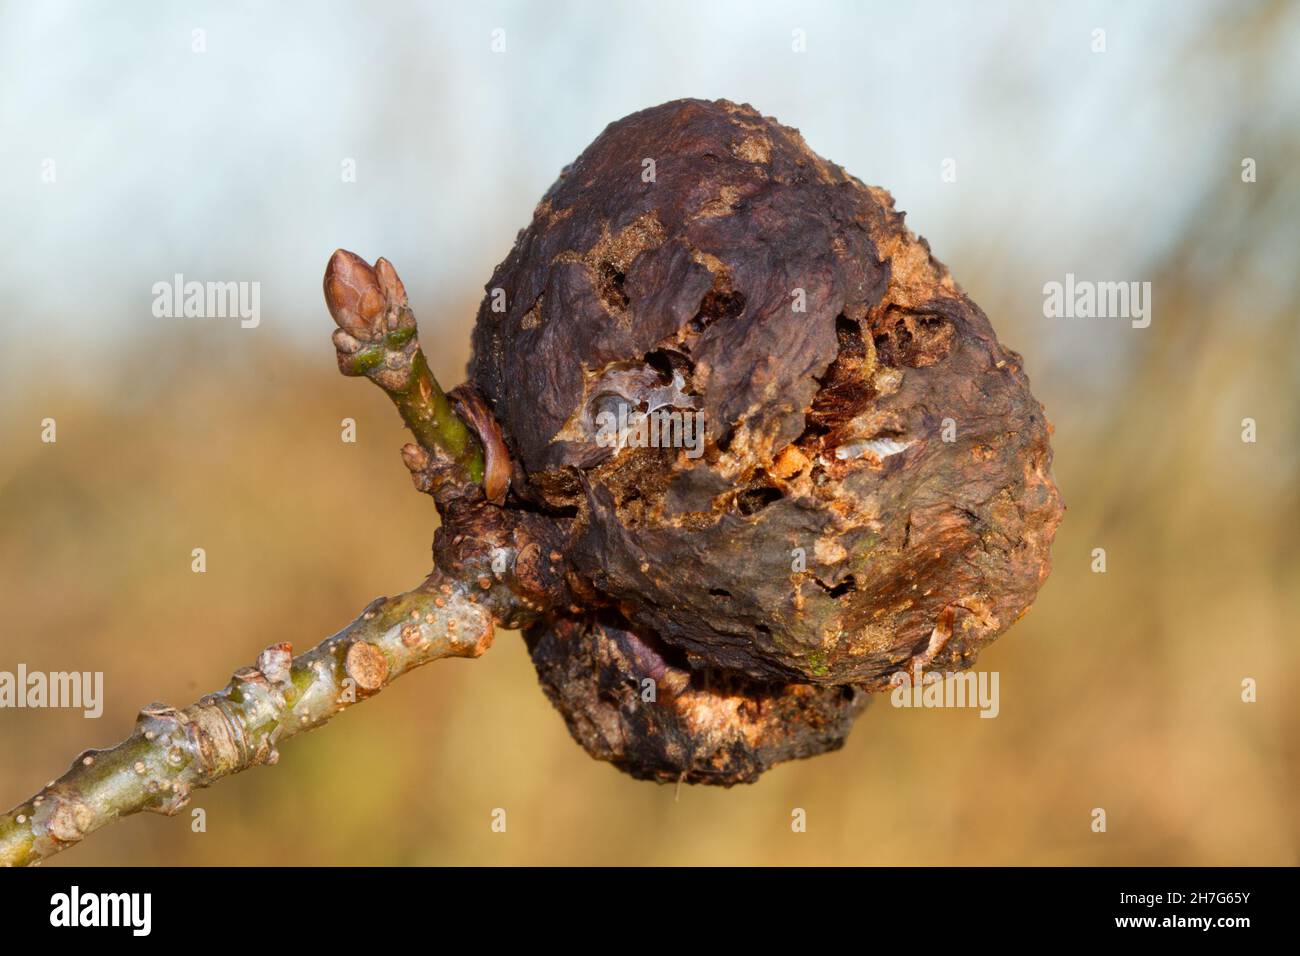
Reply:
x=377, y=338
x=174, y=752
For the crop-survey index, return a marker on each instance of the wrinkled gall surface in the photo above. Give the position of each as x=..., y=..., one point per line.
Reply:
x=626, y=702
x=873, y=485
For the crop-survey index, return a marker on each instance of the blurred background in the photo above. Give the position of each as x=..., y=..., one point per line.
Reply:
x=1119, y=690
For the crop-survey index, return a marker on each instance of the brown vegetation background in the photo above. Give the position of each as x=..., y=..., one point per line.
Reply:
x=1119, y=690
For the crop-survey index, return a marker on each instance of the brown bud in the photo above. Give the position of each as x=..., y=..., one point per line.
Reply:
x=345, y=343
x=391, y=285
x=276, y=662
x=353, y=294
x=415, y=457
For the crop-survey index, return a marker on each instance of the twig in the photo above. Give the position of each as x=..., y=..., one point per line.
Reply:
x=174, y=752
x=377, y=338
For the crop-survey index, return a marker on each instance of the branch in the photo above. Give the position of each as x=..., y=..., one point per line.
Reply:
x=452, y=614
x=174, y=752
x=377, y=338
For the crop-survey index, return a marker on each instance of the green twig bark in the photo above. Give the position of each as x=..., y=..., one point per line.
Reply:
x=174, y=752
x=377, y=338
